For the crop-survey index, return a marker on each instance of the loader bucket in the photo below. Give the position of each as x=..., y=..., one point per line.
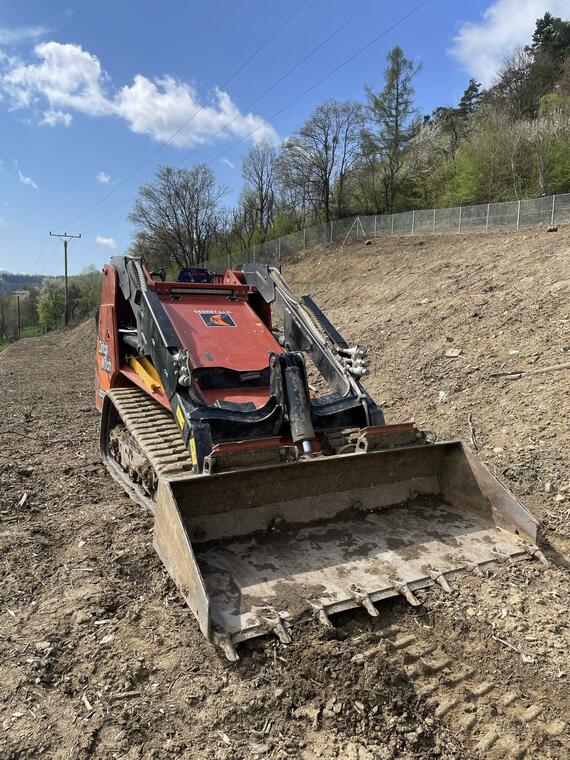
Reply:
x=255, y=550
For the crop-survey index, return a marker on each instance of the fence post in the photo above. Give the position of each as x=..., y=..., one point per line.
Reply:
x=375, y=218
x=553, y=208
x=392, y=230
x=487, y=222
x=433, y=225
x=460, y=215
x=304, y=238
x=518, y=214
x=413, y=220
x=331, y=230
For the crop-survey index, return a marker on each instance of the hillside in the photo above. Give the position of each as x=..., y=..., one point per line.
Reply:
x=503, y=301
x=10, y=281
x=99, y=657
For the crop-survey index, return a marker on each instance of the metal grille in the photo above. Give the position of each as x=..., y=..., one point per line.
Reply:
x=509, y=215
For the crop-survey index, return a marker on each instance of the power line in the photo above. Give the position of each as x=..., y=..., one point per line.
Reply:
x=47, y=270
x=275, y=84
x=40, y=254
x=277, y=113
x=194, y=115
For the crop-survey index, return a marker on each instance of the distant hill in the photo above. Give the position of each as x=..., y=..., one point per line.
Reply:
x=10, y=281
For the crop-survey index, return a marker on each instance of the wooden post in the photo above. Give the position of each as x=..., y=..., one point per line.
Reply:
x=487, y=222
x=460, y=214
x=518, y=214
x=433, y=225
x=413, y=220
x=375, y=220
x=66, y=312
x=553, y=208
x=19, y=319
x=392, y=231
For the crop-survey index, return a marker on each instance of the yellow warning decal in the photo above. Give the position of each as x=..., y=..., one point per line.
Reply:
x=180, y=417
x=193, y=452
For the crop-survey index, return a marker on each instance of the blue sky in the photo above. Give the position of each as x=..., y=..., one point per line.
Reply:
x=89, y=91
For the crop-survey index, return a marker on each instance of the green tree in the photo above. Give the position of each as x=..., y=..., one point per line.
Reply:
x=551, y=37
x=86, y=292
x=51, y=302
x=394, y=123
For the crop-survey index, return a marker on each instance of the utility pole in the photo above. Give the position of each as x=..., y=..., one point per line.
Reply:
x=65, y=237
x=20, y=294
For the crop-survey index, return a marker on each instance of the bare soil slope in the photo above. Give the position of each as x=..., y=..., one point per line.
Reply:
x=99, y=658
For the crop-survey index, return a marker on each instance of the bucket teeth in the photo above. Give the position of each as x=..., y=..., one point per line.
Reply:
x=404, y=590
x=439, y=578
x=270, y=618
x=536, y=553
x=472, y=567
x=321, y=614
x=225, y=643
x=502, y=557
x=362, y=598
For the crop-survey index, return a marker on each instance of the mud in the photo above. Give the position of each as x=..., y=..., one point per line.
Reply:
x=99, y=657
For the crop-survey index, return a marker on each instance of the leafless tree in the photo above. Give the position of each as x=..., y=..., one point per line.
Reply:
x=316, y=160
x=178, y=216
x=258, y=172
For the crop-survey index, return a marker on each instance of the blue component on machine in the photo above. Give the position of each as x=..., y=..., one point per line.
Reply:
x=194, y=274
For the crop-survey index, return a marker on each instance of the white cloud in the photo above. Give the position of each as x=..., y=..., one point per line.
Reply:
x=70, y=78
x=25, y=180
x=227, y=162
x=3, y=223
x=103, y=178
x=106, y=242
x=21, y=34
x=161, y=107
x=482, y=46
x=53, y=118
x=66, y=76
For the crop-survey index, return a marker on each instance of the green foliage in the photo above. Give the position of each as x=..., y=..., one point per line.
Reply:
x=551, y=37
x=51, y=302
x=394, y=125
x=86, y=292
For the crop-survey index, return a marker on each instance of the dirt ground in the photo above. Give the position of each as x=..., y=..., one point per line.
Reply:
x=99, y=657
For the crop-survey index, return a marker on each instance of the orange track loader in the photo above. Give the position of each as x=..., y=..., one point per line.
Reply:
x=271, y=502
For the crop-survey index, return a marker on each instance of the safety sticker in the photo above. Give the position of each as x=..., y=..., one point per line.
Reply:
x=193, y=452
x=180, y=417
x=217, y=319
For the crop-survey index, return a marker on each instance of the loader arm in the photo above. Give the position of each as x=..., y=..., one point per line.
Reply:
x=306, y=329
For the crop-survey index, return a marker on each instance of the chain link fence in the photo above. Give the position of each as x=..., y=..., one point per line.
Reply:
x=509, y=215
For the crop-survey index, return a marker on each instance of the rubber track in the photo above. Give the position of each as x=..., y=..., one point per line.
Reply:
x=493, y=720
x=155, y=431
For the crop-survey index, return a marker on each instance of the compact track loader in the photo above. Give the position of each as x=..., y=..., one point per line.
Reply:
x=273, y=502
